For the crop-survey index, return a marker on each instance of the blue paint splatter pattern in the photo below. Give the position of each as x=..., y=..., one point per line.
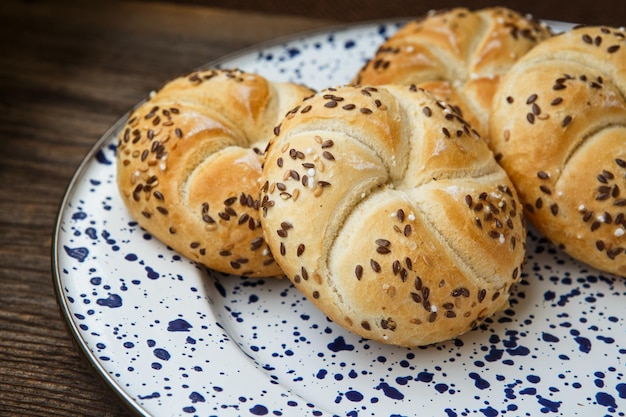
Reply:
x=180, y=339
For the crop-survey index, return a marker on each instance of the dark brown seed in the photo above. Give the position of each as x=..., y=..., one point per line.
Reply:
x=530, y=117
x=383, y=242
x=543, y=175
x=375, y=265
x=427, y=111
x=536, y=109
x=612, y=49
x=349, y=107
x=416, y=298
x=531, y=99
x=365, y=110
x=365, y=325
x=383, y=250
x=545, y=189
x=556, y=101
x=587, y=39
x=554, y=209
x=328, y=155
x=358, y=271
x=396, y=267
x=481, y=295
x=400, y=214
x=494, y=234
x=418, y=283
x=461, y=291
x=566, y=120
x=330, y=104
x=300, y=249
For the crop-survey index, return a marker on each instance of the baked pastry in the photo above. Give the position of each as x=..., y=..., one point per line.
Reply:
x=387, y=210
x=189, y=161
x=558, y=129
x=459, y=55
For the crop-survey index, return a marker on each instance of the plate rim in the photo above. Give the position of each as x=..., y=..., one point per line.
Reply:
x=64, y=309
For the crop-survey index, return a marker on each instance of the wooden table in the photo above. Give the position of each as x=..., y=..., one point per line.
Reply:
x=68, y=71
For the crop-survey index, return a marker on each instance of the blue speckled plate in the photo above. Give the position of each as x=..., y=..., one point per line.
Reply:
x=173, y=338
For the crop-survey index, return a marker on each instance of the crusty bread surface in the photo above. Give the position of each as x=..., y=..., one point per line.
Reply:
x=457, y=54
x=189, y=161
x=386, y=209
x=559, y=129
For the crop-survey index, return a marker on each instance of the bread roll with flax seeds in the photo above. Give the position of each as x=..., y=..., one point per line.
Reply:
x=387, y=210
x=558, y=128
x=459, y=55
x=189, y=161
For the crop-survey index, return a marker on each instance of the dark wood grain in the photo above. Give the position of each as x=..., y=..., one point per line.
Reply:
x=599, y=12
x=68, y=71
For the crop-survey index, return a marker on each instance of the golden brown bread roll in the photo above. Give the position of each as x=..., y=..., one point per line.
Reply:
x=558, y=128
x=458, y=55
x=390, y=214
x=189, y=161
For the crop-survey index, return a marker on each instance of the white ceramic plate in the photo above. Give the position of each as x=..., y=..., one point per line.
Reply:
x=173, y=338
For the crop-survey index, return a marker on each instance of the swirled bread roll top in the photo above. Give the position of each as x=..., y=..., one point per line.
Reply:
x=189, y=161
x=459, y=55
x=390, y=214
x=558, y=129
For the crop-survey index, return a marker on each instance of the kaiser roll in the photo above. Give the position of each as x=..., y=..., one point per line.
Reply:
x=558, y=127
x=189, y=161
x=387, y=210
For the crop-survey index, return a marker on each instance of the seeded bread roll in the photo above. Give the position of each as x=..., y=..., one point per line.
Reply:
x=458, y=55
x=558, y=128
x=189, y=161
x=391, y=215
